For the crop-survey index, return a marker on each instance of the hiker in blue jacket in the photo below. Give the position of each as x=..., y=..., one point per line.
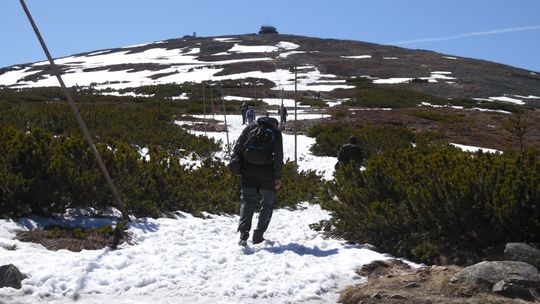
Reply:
x=243, y=108
x=250, y=115
x=261, y=148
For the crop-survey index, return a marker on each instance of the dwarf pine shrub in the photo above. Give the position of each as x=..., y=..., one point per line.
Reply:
x=436, y=203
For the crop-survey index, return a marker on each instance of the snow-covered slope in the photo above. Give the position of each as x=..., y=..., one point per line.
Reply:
x=323, y=65
x=123, y=68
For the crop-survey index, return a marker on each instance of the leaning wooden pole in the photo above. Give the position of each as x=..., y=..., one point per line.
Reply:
x=295, y=119
x=80, y=121
x=225, y=120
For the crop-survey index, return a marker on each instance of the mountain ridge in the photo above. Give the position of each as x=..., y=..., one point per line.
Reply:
x=232, y=56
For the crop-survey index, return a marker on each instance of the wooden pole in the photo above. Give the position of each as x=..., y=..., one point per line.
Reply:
x=225, y=120
x=204, y=108
x=295, y=119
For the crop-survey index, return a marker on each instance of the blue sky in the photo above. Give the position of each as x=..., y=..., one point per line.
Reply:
x=504, y=31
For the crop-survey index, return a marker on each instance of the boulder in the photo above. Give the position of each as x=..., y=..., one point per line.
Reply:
x=10, y=276
x=491, y=272
x=523, y=253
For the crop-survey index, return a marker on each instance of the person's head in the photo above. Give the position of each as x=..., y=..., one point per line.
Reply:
x=251, y=108
x=267, y=114
x=352, y=139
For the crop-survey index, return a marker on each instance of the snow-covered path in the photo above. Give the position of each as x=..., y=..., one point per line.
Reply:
x=191, y=260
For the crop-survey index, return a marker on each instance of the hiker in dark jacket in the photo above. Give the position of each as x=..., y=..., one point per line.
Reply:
x=261, y=174
x=250, y=115
x=350, y=151
x=282, y=111
x=243, y=108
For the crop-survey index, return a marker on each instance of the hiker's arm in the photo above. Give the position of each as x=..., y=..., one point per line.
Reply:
x=278, y=157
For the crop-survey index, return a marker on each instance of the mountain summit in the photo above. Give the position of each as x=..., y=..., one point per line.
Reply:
x=322, y=65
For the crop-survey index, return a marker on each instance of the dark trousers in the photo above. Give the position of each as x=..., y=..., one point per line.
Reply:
x=249, y=203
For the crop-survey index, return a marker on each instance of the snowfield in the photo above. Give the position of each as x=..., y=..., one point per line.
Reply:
x=191, y=260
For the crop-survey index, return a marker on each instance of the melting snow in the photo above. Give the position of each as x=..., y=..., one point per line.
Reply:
x=474, y=149
x=357, y=57
x=508, y=99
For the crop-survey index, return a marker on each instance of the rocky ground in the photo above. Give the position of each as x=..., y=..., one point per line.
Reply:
x=396, y=282
x=91, y=240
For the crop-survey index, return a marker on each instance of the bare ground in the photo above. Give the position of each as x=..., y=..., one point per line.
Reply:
x=428, y=285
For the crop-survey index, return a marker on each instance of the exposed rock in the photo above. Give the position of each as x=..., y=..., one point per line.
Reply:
x=378, y=267
x=490, y=273
x=426, y=285
x=511, y=290
x=397, y=296
x=523, y=253
x=376, y=296
x=10, y=276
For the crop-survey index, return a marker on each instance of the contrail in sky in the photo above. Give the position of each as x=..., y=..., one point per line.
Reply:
x=494, y=32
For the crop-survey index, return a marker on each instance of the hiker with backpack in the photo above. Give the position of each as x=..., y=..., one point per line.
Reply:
x=260, y=147
x=282, y=111
x=250, y=115
x=350, y=152
x=243, y=108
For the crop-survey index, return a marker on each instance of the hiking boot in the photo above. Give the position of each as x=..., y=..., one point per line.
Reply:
x=244, y=236
x=257, y=238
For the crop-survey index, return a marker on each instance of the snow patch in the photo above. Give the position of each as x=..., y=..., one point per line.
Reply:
x=357, y=57
x=238, y=48
x=508, y=99
x=287, y=45
x=474, y=149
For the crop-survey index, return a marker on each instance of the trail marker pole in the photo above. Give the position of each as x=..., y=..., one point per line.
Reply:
x=225, y=120
x=295, y=119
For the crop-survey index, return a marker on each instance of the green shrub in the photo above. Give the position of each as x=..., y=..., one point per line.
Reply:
x=437, y=204
x=387, y=97
x=297, y=186
x=313, y=102
x=330, y=137
x=435, y=116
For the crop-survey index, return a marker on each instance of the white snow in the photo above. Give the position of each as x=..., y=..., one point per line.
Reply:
x=357, y=57
x=449, y=57
x=190, y=260
x=238, y=48
x=432, y=78
x=390, y=58
x=392, y=80
x=474, y=149
x=287, y=54
x=508, y=99
x=527, y=97
x=226, y=39
x=287, y=45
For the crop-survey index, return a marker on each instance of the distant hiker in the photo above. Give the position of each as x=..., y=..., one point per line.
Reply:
x=261, y=149
x=282, y=111
x=243, y=108
x=250, y=115
x=350, y=151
